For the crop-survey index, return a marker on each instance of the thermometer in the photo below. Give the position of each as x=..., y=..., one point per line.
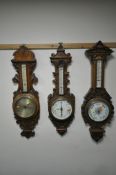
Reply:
x=61, y=78
x=99, y=74
x=24, y=77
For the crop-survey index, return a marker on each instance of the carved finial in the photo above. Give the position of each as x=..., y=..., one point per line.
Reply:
x=60, y=47
x=61, y=53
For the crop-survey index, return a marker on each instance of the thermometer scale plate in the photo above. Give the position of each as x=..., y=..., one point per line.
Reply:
x=61, y=79
x=24, y=77
x=99, y=74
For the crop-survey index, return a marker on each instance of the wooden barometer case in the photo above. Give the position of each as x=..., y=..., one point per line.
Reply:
x=61, y=104
x=97, y=109
x=25, y=101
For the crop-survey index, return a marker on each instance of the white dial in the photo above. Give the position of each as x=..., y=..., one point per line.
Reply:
x=98, y=111
x=61, y=109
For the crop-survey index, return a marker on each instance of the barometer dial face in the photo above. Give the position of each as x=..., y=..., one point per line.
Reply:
x=61, y=109
x=98, y=111
x=25, y=106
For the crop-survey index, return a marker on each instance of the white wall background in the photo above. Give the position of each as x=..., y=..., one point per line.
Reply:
x=46, y=22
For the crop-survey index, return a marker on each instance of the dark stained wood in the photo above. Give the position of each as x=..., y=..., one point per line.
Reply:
x=57, y=59
x=98, y=52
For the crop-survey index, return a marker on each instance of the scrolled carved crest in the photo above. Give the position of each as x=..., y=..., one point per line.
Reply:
x=98, y=51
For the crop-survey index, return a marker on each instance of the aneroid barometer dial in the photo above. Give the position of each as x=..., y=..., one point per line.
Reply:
x=25, y=106
x=26, y=100
x=97, y=109
x=61, y=103
x=61, y=109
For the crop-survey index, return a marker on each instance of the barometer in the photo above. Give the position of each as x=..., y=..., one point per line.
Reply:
x=61, y=103
x=25, y=100
x=97, y=109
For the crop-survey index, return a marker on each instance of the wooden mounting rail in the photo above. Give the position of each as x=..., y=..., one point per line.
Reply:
x=55, y=46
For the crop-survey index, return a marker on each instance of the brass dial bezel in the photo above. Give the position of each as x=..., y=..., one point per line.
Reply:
x=29, y=96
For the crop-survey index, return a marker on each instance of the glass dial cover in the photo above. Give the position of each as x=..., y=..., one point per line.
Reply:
x=25, y=107
x=61, y=109
x=98, y=111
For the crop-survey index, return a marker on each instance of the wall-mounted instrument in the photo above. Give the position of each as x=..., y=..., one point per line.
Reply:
x=97, y=109
x=25, y=101
x=61, y=103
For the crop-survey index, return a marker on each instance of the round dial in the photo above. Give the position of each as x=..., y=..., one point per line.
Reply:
x=61, y=109
x=98, y=110
x=25, y=106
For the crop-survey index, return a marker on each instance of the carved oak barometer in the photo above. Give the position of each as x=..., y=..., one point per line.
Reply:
x=97, y=109
x=61, y=103
x=25, y=101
